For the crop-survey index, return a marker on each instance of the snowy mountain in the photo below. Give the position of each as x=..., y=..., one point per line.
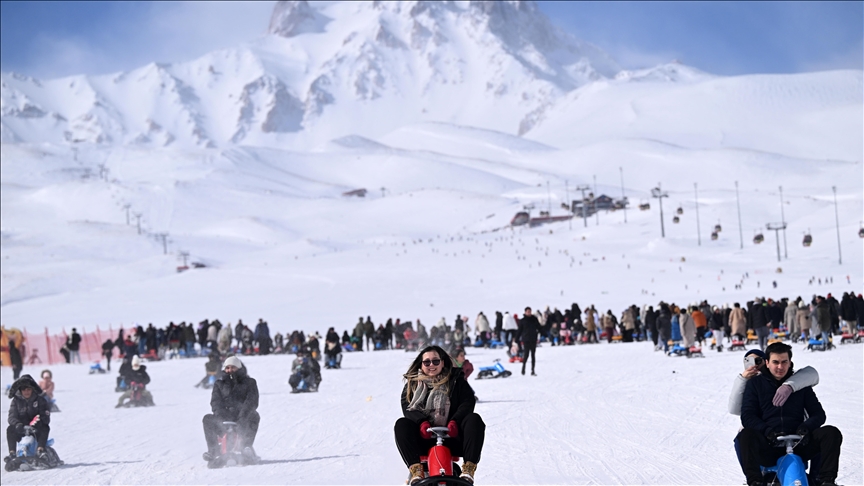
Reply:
x=325, y=70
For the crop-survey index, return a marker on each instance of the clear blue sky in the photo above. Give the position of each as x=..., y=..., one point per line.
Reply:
x=51, y=39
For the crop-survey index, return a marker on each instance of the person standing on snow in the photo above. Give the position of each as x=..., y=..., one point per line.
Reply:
x=74, y=345
x=688, y=329
x=234, y=399
x=510, y=327
x=529, y=328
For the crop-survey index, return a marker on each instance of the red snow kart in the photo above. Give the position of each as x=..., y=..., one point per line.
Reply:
x=439, y=465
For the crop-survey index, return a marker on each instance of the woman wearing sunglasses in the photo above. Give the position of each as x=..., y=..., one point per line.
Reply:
x=437, y=395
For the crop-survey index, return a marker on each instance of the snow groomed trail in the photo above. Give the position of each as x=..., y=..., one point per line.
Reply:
x=596, y=414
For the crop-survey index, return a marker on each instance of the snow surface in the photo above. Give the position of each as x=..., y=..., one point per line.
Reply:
x=595, y=414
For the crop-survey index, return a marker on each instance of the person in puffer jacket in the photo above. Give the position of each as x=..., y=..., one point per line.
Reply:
x=234, y=399
x=800, y=413
x=29, y=407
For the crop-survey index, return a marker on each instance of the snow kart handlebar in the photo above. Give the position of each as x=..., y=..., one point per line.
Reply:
x=441, y=433
x=789, y=441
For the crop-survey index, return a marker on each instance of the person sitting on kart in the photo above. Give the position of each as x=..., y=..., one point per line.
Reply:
x=234, y=399
x=437, y=395
x=136, y=378
x=801, y=414
x=754, y=365
x=212, y=366
x=304, y=369
x=332, y=349
x=29, y=408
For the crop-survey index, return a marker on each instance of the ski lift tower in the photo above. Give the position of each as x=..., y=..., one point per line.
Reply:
x=776, y=228
x=658, y=193
x=583, y=188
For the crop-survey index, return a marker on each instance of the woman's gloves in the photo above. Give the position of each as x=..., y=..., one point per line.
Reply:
x=452, y=429
x=424, y=430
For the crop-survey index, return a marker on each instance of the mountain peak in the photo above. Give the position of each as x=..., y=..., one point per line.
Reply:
x=294, y=17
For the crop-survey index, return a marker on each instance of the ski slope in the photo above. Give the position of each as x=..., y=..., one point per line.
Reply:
x=595, y=414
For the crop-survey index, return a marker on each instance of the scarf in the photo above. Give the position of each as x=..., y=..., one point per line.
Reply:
x=433, y=401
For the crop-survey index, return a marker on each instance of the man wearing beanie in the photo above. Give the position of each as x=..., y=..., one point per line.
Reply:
x=137, y=378
x=234, y=399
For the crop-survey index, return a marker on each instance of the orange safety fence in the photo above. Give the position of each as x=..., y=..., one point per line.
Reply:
x=44, y=347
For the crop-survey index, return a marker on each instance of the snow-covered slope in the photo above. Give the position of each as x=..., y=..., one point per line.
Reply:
x=597, y=414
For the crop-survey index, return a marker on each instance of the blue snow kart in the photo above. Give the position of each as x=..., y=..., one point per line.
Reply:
x=819, y=345
x=26, y=458
x=790, y=469
x=495, y=371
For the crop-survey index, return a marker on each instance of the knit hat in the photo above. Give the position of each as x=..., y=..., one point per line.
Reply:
x=232, y=361
x=757, y=352
x=136, y=362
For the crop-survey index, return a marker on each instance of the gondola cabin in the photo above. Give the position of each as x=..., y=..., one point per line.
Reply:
x=718, y=228
x=645, y=206
x=714, y=235
x=680, y=210
x=758, y=238
x=521, y=218
x=808, y=240
x=861, y=233
x=676, y=219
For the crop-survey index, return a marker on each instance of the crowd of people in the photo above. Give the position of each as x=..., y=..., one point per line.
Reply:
x=436, y=392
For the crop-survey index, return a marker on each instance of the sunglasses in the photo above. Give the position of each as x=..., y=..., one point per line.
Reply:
x=431, y=362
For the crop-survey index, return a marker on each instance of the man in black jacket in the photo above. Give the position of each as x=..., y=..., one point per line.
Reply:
x=760, y=319
x=801, y=414
x=529, y=326
x=29, y=408
x=136, y=378
x=234, y=399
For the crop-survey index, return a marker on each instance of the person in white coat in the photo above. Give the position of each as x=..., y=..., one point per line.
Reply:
x=510, y=327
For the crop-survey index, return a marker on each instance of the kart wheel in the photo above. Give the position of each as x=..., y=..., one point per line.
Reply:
x=505, y=374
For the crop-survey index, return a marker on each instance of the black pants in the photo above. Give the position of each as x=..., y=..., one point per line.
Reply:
x=108, y=358
x=13, y=437
x=756, y=451
x=469, y=444
x=247, y=429
x=529, y=348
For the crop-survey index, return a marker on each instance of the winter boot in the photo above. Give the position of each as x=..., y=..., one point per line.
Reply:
x=468, y=470
x=416, y=472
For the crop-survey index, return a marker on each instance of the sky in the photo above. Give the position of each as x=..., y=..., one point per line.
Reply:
x=53, y=39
